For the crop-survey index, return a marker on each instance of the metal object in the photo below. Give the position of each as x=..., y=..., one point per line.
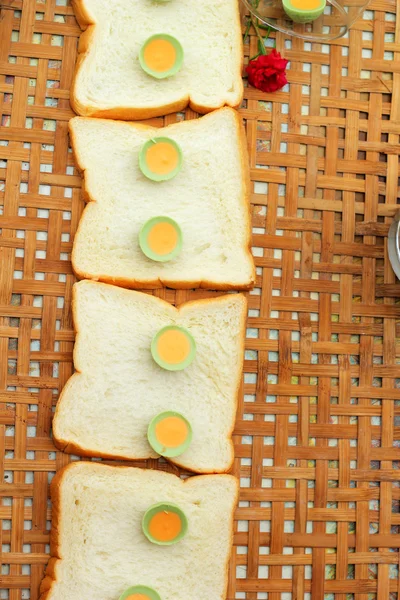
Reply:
x=394, y=244
x=336, y=20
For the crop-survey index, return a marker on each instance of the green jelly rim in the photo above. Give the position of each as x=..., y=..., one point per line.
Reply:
x=145, y=248
x=179, y=56
x=303, y=16
x=157, y=446
x=141, y=589
x=179, y=366
x=167, y=506
x=143, y=164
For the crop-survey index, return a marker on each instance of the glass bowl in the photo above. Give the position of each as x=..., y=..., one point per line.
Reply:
x=337, y=18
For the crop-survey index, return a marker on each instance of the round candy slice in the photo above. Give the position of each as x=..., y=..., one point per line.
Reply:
x=161, y=56
x=304, y=11
x=173, y=348
x=160, y=239
x=169, y=434
x=160, y=159
x=140, y=592
x=164, y=524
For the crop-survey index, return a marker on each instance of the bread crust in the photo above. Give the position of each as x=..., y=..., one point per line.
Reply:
x=159, y=283
x=50, y=573
x=131, y=113
x=50, y=578
x=71, y=448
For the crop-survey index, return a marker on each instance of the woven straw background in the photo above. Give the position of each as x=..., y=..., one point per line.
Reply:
x=317, y=435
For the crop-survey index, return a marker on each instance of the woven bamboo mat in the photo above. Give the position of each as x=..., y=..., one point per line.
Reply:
x=317, y=434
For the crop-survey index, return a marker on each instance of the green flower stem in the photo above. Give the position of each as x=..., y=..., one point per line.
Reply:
x=267, y=28
x=252, y=21
x=246, y=33
x=261, y=44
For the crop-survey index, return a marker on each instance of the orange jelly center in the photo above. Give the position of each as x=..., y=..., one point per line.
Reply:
x=162, y=158
x=165, y=526
x=306, y=4
x=171, y=432
x=173, y=346
x=162, y=238
x=137, y=597
x=160, y=55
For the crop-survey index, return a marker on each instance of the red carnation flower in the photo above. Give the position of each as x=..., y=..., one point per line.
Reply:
x=267, y=72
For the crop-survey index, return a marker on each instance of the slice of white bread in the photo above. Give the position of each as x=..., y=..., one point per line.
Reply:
x=106, y=407
x=208, y=199
x=98, y=547
x=109, y=81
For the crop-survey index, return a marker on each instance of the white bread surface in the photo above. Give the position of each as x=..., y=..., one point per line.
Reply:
x=106, y=406
x=97, y=543
x=109, y=81
x=208, y=199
